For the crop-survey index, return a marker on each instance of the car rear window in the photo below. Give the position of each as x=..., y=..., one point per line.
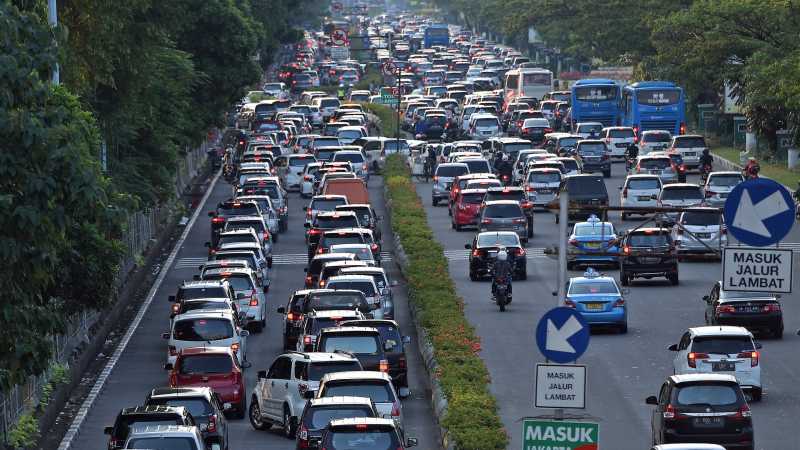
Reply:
x=364, y=286
x=197, y=407
x=620, y=133
x=701, y=218
x=373, y=440
x=257, y=225
x=195, y=305
x=690, y=142
x=319, y=417
x=236, y=238
x=320, y=369
x=379, y=392
x=722, y=345
x=329, y=103
x=656, y=137
x=586, y=186
x=655, y=163
x=724, y=180
x=503, y=211
x=478, y=166
x=588, y=229
x=206, y=329
x=594, y=148
x=593, y=287
x=248, y=256
x=239, y=282
x=649, y=239
x=205, y=364
x=472, y=198
x=544, y=177
x=205, y=292
x=335, y=301
x=245, y=209
x=451, y=171
x=352, y=157
x=359, y=344
x=707, y=395
x=362, y=253
x=642, y=184
x=329, y=204
x=300, y=161
x=486, y=122
x=680, y=193
x=515, y=195
x=568, y=142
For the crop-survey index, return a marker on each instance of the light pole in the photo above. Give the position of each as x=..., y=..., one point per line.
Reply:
x=52, y=19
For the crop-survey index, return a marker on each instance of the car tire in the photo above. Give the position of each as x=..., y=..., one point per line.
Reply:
x=289, y=423
x=434, y=202
x=472, y=276
x=256, y=327
x=275, y=235
x=673, y=278
x=256, y=421
x=457, y=227
x=623, y=329
x=779, y=333
x=269, y=263
x=241, y=410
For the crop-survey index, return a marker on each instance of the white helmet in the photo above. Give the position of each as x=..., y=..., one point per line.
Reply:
x=502, y=254
x=505, y=156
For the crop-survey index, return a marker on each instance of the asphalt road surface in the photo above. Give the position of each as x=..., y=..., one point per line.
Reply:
x=140, y=367
x=622, y=369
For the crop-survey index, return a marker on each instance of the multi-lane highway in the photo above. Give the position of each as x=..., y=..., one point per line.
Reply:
x=139, y=368
x=622, y=369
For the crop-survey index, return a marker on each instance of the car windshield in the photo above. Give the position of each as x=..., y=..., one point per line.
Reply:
x=364, y=286
x=378, y=392
x=368, y=440
x=300, y=161
x=272, y=87
x=644, y=184
x=682, y=193
x=472, y=198
x=337, y=238
x=690, y=142
x=451, y=171
x=196, y=305
x=163, y=443
x=586, y=186
x=503, y=211
x=240, y=209
x=481, y=166
x=655, y=163
x=589, y=128
x=515, y=148
x=593, y=287
x=589, y=229
x=707, y=395
x=319, y=417
x=649, y=239
x=329, y=103
x=203, y=329
x=544, y=177
x=364, y=345
x=722, y=345
x=496, y=240
x=320, y=369
x=336, y=222
x=328, y=204
x=239, y=282
x=701, y=218
x=724, y=180
x=248, y=256
x=335, y=301
x=199, y=364
x=591, y=149
x=391, y=146
x=205, y=292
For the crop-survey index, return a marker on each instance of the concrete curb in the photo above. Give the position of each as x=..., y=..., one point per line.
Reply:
x=730, y=165
x=438, y=400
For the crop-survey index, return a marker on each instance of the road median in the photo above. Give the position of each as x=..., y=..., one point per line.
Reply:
x=468, y=411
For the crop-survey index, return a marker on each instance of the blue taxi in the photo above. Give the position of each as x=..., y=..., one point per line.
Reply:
x=599, y=299
x=592, y=242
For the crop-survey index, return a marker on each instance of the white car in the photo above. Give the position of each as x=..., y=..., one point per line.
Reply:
x=307, y=185
x=724, y=350
x=261, y=228
x=206, y=328
x=348, y=135
x=277, y=90
x=250, y=299
x=639, y=191
x=375, y=385
x=363, y=283
x=483, y=126
x=542, y=185
x=356, y=159
x=690, y=146
x=700, y=233
x=618, y=139
x=268, y=212
x=166, y=436
x=323, y=203
x=293, y=173
x=654, y=141
x=281, y=393
x=679, y=195
x=719, y=185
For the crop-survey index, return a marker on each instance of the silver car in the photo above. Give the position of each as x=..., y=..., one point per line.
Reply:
x=443, y=179
x=680, y=195
x=504, y=215
x=700, y=233
x=719, y=185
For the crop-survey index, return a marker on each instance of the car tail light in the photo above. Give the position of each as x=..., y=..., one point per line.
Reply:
x=321, y=284
x=569, y=303
x=254, y=301
x=116, y=443
x=212, y=423
x=548, y=130
x=771, y=307
x=476, y=252
x=692, y=358
x=521, y=252
x=754, y=356
x=744, y=412
x=383, y=366
x=526, y=204
x=307, y=340
x=528, y=189
x=523, y=220
x=395, y=409
x=573, y=242
x=635, y=131
x=401, y=363
x=725, y=309
x=235, y=347
x=308, y=214
x=486, y=221
x=619, y=303
x=173, y=351
x=294, y=317
x=320, y=250
x=307, y=178
x=314, y=231
x=175, y=308
x=710, y=194
x=309, y=280
x=671, y=413
x=302, y=436
x=435, y=179
x=374, y=247
x=683, y=128
x=218, y=220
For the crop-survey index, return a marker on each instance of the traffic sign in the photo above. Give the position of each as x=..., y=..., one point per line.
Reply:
x=759, y=212
x=339, y=37
x=757, y=269
x=562, y=335
x=389, y=69
x=337, y=6
x=559, y=435
x=560, y=386
x=388, y=99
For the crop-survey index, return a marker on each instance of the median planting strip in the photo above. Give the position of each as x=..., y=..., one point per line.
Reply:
x=470, y=420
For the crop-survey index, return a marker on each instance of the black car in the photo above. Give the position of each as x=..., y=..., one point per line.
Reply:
x=142, y=416
x=394, y=348
x=365, y=343
x=316, y=265
x=586, y=191
x=594, y=156
x=483, y=253
x=709, y=408
x=230, y=208
x=367, y=217
x=204, y=406
x=648, y=253
x=293, y=320
x=756, y=311
x=325, y=220
x=321, y=411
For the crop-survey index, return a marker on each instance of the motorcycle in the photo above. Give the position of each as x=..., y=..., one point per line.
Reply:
x=501, y=296
x=704, y=171
x=505, y=179
x=751, y=173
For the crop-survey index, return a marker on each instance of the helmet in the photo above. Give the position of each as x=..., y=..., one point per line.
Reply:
x=502, y=254
x=505, y=157
x=705, y=151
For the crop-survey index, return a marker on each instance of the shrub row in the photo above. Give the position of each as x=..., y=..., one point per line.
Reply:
x=472, y=420
x=388, y=118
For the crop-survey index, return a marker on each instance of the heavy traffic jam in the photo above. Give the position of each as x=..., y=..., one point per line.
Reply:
x=492, y=141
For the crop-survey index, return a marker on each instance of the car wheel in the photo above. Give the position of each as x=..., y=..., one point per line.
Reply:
x=256, y=420
x=623, y=329
x=434, y=202
x=779, y=333
x=755, y=394
x=256, y=327
x=275, y=236
x=673, y=278
x=570, y=266
x=288, y=423
x=472, y=276
x=457, y=227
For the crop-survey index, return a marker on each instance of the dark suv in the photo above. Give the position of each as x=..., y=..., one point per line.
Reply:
x=394, y=349
x=324, y=221
x=648, y=253
x=708, y=408
x=365, y=343
x=204, y=406
x=320, y=411
x=584, y=190
x=594, y=156
x=230, y=208
x=142, y=416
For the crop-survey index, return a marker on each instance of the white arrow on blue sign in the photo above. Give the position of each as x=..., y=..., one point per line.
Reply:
x=562, y=335
x=759, y=212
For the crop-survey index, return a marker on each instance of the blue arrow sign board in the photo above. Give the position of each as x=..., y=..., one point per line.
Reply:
x=759, y=212
x=562, y=335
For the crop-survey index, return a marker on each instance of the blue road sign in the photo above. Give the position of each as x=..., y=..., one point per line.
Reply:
x=562, y=335
x=759, y=212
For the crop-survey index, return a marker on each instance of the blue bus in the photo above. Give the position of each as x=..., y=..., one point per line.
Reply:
x=436, y=34
x=596, y=100
x=654, y=105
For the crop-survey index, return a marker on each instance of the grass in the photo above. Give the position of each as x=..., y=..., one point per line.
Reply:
x=780, y=173
x=388, y=118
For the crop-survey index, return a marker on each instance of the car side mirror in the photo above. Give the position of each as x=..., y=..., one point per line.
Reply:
x=759, y=346
x=247, y=365
x=620, y=188
x=261, y=374
x=554, y=293
x=244, y=333
x=385, y=291
x=309, y=394
x=164, y=335
x=305, y=208
x=467, y=246
x=673, y=348
x=281, y=310
x=406, y=339
x=411, y=442
x=168, y=366
x=171, y=299
x=108, y=430
x=652, y=400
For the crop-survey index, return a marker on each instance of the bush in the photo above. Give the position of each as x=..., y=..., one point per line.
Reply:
x=472, y=420
x=388, y=118
x=24, y=433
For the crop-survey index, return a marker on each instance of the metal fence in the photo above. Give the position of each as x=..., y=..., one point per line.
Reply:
x=139, y=232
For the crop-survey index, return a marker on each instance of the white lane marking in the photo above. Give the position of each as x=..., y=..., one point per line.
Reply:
x=80, y=417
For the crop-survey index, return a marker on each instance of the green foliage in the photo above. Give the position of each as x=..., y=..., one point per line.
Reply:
x=24, y=433
x=472, y=419
x=388, y=117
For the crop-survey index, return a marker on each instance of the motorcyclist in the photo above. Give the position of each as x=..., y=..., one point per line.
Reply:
x=631, y=153
x=431, y=159
x=706, y=160
x=501, y=272
x=505, y=168
x=752, y=168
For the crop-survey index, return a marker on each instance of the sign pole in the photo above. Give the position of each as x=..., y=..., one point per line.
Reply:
x=563, y=218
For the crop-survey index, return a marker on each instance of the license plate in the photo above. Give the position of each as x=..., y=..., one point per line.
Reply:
x=749, y=309
x=690, y=154
x=650, y=260
x=703, y=235
x=723, y=366
x=592, y=245
x=594, y=306
x=644, y=198
x=623, y=145
x=709, y=422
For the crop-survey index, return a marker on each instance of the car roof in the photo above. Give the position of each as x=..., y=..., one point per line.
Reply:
x=229, y=270
x=717, y=330
x=205, y=313
x=178, y=392
x=197, y=284
x=152, y=409
x=356, y=375
x=642, y=175
x=350, y=330
x=161, y=429
x=353, y=421
x=328, y=313
x=340, y=400
x=699, y=377
x=650, y=230
x=323, y=356
x=495, y=189
x=501, y=202
x=353, y=277
x=215, y=350
x=681, y=185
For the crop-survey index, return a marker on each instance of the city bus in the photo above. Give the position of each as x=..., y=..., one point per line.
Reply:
x=654, y=105
x=436, y=34
x=527, y=82
x=595, y=100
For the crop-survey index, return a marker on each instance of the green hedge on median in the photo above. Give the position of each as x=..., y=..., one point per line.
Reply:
x=388, y=118
x=472, y=420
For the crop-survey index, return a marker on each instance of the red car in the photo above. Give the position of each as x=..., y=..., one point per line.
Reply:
x=214, y=367
x=460, y=182
x=467, y=208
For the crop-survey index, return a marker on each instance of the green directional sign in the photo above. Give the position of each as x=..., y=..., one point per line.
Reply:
x=559, y=435
x=388, y=99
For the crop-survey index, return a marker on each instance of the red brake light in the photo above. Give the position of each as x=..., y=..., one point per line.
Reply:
x=754, y=356
x=683, y=128
x=744, y=412
x=314, y=231
x=384, y=366
x=361, y=427
x=218, y=220
x=692, y=358
x=235, y=347
x=374, y=247
x=726, y=309
x=619, y=303
x=476, y=252
x=212, y=423
x=626, y=250
x=573, y=242
x=396, y=409
x=772, y=307
x=486, y=221
x=307, y=340
x=253, y=301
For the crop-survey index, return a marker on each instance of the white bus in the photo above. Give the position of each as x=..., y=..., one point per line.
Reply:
x=527, y=82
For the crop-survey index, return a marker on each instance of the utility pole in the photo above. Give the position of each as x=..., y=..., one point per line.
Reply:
x=52, y=19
